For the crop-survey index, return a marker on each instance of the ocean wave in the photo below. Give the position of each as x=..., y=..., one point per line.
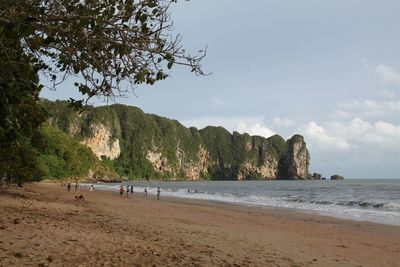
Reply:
x=392, y=206
x=362, y=204
x=350, y=203
x=337, y=203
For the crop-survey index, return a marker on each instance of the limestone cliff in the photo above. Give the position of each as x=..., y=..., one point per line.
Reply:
x=295, y=164
x=146, y=146
x=102, y=142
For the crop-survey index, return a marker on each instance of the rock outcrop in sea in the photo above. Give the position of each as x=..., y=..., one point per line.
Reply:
x=146, y=146
x=337, y=177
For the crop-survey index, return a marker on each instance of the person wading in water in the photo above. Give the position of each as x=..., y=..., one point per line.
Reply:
x=158, y=193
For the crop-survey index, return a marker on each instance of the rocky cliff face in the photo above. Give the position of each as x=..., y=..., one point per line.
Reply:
x=102, y=142
x=140, y=145
x=295, y=164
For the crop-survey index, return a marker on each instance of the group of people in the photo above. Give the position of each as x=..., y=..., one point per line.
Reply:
x=77, y=188
x=69, y=186
x=121, y=190
x=129, y=189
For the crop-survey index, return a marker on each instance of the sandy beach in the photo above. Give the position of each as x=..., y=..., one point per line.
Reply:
x=42, y=225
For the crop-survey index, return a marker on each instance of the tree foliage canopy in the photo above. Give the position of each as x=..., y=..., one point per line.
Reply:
x=20, y=114
x=104, y=42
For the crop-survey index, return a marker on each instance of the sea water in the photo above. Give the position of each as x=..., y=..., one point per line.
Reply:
x=375, y=200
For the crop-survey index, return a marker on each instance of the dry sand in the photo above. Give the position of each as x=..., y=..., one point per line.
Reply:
x=42, y=225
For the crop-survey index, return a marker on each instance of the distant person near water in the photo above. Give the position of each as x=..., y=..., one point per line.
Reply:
x=127, y=190
x=121, y=191
x=131, y=189
x=145, y=192
x=69, y=187
x=91, y=188
x=158, y=193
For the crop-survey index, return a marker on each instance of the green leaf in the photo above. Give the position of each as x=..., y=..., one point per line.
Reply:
x=152, y=4
x=143, y=18
x=76, y=69
x=160, y=75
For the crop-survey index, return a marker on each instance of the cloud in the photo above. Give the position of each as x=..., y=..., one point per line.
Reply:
x=283, y=122
x=216, y=102
x=355, y=134
x=255, y=129
x=230, y=123
x=388, y=75
x=388, y=129
x=320, y=137
x=251, y=125
x=364, y=63
x=369, y=109
x=387, y=94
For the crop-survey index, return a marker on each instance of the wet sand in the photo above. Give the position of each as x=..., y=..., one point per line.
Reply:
x=42, y=225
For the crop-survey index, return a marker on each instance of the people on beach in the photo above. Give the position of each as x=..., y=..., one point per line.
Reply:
x=158, y=193
x=127, y=190
x=131, y=189
x=80, y=198
x=69, y=187
x=145, y=192
x=91, y=188
x=121, y=191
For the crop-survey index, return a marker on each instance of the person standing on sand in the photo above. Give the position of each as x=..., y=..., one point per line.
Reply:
x=131, y=189
x=69, y=187
x=121, y=191
x=158, y=193
x=127, y=190
x=145, y=192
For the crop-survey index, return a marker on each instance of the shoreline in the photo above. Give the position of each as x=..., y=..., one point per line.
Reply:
x=367, y=216
x=43, y=224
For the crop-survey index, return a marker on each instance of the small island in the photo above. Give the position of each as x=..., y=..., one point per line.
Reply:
x=337, y=177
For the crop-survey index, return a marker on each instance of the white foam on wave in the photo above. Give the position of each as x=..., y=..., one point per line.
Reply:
x=392, y=206
x=389, y=214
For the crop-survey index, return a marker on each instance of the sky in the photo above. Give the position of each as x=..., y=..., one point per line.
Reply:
x=328, y=70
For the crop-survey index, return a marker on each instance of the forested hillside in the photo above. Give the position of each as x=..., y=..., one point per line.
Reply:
x=145, y=146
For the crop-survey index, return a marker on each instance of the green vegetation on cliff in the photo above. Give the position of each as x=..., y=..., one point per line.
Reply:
x=61, y=157
x=137, y=132
x=145, y=146
x=231, y=151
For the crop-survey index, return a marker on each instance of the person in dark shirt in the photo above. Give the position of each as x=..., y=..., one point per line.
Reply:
x=158, y=193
